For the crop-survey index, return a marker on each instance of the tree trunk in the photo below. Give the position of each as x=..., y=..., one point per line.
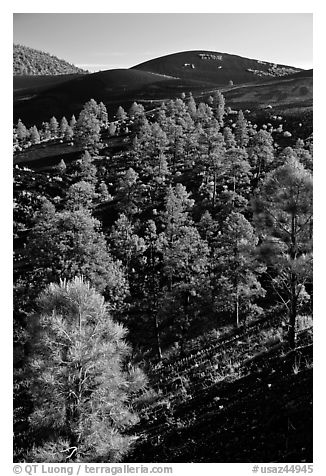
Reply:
x=214, y=191
x=293, y=286
x=293, y=311
x=157, y=337
x=237, y=306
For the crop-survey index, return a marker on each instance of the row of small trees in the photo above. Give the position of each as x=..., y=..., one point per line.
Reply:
x=85, y=130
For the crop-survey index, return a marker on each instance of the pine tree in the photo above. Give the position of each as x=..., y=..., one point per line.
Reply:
x=121, y=114
x=236, y=268
x=261, y=154
x=61, y=167
x=85, y=168
x=80, y=195
x=235, y=175
x=21, y=131
x=219, y=107
x=229, y=138
x=128, y=192
x=125, y=244
x=54, y=127
x=63, y=126
x=191, y=106
x=241, y=130
x=82, y=396
x=69, y=133
x=283, y=211
x=204, y=114
x=69, y=243
x=46, y=132
x=185, y=264
x=303, y=154
x=72, y=121
x=103, y=192
x=87, y=128
x=103, y=114
x=34, y=135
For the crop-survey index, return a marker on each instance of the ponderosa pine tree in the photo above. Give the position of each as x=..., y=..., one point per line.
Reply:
x=69, y=133
x=303, y=154
x=21, y=131
x=68, y=243
x=82, y=394
x=283, y=211
x=261, y=154
x=121, y=114
x=88, y=126
x=236, y=268
x=241, y=130
x=34, y=135
x=54, y=127
x=235, y=175
x=152, y=282
x=63, y=126
x=185, y=262
x=219, y=107
x=191, y=106
x=204, y=114
x=125, y=244
x=102, y=114
x=85, y=169
x=80, y=195
x=128, y=192
x=61, y=167
x=72, y=121
x=229, y=138
x=46, y=132
x=103, y=192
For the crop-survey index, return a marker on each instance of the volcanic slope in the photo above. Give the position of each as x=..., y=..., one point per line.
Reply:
x=37, y=102
x=113, y=87
x=212, y=66
x=287, y=93
x=247, y=397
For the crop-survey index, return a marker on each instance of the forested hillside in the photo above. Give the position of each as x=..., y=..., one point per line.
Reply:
x=178, y=242
x=28, y=61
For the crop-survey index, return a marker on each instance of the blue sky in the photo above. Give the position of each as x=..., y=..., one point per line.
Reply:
x=113, y=40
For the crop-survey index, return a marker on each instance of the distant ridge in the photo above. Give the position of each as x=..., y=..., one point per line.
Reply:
x=28, y=61
x=212, y=66
x=255, y=84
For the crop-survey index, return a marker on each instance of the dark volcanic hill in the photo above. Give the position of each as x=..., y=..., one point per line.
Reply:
x=28, y=61
x=37, y=98
x=212, y=66
x=32, y=102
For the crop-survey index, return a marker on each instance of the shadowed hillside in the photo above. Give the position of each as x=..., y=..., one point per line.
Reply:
x=117, y=87
x=245, y=397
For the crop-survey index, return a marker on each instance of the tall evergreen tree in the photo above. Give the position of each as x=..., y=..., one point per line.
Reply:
x=21, y=131
x=54, y=127
x=219, y=107
x=241, y=130
x=237, y=268
x=34, y=135
x=63, y=126
x=70, y=243
x=87, y=127
x=82, y=396
x=283, y=211
x=261, y=154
